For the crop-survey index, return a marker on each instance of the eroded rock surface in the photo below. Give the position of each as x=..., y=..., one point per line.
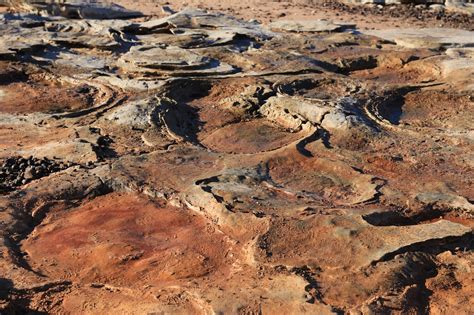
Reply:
x=199, y=163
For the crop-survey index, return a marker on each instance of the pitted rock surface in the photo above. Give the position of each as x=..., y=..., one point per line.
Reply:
x=196, y=162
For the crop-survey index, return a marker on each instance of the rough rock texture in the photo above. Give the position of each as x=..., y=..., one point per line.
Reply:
x=199, y=163
x=463, y=6
x=435, y=38
x=89, y=9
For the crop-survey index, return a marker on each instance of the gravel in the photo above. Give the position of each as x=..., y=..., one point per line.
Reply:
x=18, y=171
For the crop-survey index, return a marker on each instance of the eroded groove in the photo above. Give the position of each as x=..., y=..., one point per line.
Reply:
x=435, y=246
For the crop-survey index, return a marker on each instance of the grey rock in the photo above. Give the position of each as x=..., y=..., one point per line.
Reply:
x=445, y=201
x=293, y=112
x=79, y=9
x=192, y=18
x=136, y=114
x=170, y=61
x=73, y=60
x=166, y=58
x=427, y=37
x=437, y=7
x=310, y=26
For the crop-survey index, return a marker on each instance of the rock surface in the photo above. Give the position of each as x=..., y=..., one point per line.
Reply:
x=463, y=6
x=312, y=26
x=427, y=38
x=200, y=163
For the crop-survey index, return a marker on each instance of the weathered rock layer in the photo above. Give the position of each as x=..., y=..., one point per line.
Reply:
x=200, y=163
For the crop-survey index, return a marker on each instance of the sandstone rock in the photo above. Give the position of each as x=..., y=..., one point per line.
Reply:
x=437, y=7
x=79, y=9
x=203, y=164
x=446, y=200
x=29, y=173
x=310, y=26
x=427, y=38
x=126, y=83
x=459, y=70
x=166, y=58
x=170, y=61
x=13, y=43
x=462, y=6
x=373, y=246
x=293, y=112
x=77, y=62
x=460, y=52
x=76, y=150
x=138, y=114
x=192, y=18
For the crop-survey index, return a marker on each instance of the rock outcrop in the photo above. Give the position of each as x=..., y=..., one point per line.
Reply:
x=199, y=163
